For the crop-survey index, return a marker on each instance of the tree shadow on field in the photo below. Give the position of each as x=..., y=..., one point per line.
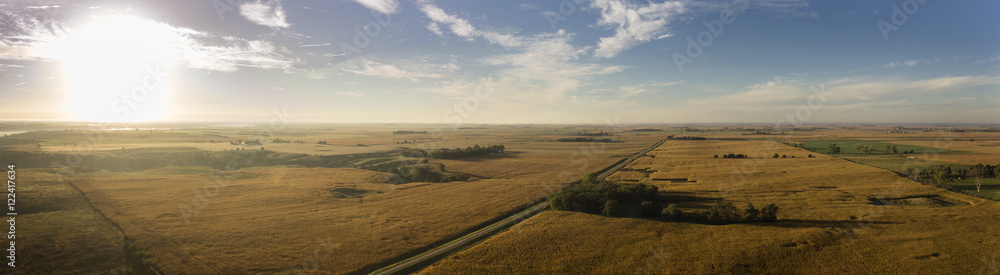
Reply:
x=489, y=157
x=798, y=223
x=688, y=200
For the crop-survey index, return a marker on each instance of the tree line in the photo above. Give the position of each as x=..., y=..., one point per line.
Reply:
x=599, y=196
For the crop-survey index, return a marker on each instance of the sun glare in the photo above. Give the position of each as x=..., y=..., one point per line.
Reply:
x=115, y=68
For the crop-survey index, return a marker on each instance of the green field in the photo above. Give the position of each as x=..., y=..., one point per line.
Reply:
x=848, y=147
x=990, y=188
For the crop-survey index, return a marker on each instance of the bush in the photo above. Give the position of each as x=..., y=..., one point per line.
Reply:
x=671, y=213
x=751, y=213
x=609, y=208
x=775, y=155
x=722, y=212
x=769, y=213
x=725, y=212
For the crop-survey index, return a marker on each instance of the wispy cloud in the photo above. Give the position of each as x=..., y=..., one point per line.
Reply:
x=383, y=6
x=314, y=45
x=265, y=14
x=350, y=93
x=458, y=26
x=634, y=24
x=785, y=8
x=634, y=90
x=371, y=68
x=528, y=6
x=843, y=91
x=909, y=63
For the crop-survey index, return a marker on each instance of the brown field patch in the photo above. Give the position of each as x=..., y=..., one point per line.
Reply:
x=828, y=223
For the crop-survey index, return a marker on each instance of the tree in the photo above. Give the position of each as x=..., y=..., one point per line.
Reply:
x=861, y=148
x=810, y=155
x=721, y=212
x=833, y=149
x=769, y=213
x=940, y=179
x=671, y=213
x=751, y=213
x=775, y=155
x=784, y=156
x=589, y=177
x=887, y=149
x=609, y=208
x=894, y=149
x=716, y=156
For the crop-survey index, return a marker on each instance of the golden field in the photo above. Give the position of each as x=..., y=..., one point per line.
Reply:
x=273, y=219
x=828, y=224
x=58, y=231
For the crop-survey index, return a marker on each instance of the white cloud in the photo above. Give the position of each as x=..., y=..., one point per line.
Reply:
x=545, y=65
x=314, y=45
x=371, y=68
x=842, y=91
x=458, y=26
x=528, y=6
x=634, y=90
x=350, y=93
x=996, y=58
x=909, y=63
x=785, y=8
x=634, y=23
x=264, y=14
x=383, y=6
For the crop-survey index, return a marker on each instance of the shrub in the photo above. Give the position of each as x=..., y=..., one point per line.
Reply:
x=671, y=213
x=775, y=155
x=769, y=213
x=609, y=208
x=751, y=213
x=722, y=212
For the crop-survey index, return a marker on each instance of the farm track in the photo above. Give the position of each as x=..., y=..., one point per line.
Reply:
x=435, y=254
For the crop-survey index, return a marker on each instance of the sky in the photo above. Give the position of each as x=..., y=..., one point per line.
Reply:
x=573, y=61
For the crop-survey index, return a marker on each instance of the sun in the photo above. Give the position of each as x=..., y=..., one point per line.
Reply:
x=115, y=68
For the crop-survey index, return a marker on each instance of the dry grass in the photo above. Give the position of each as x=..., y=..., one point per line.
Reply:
x=58, y=233
x=274, y=219
x=818, y=198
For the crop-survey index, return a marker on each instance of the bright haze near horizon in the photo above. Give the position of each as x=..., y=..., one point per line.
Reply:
x=501, y=61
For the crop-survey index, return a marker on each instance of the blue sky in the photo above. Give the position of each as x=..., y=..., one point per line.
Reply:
x=502, y=61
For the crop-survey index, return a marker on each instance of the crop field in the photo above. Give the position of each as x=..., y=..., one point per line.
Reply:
x=835, y=217
x=270, y=217
x=64, y=234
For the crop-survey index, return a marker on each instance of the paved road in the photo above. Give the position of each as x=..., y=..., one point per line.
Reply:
x=454, y=245
x=494, y=228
